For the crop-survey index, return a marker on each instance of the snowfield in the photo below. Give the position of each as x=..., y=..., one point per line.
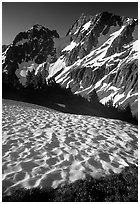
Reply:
x=42, y=147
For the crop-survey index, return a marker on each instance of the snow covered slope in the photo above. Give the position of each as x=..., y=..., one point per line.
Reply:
x=102, y=55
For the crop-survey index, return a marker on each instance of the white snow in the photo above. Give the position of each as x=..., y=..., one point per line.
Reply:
x=115, y=96
x=55, y=67
x=70, y=46
x=61, y=79
x=113, y=88
x=106, y=99
x=86, y=89
x=118, y=97
x=76, y=31
x=23, y=73
x=97, y=56
x=135, y=94
x=133, y=55
x=98, y=84
x=129, y=95
x=90, y=90
x=118, y=32
x=39, y=67
x=81, y=87
x=104, y=86
x=69, y=83
x=82, y=43
x=86, y=26
x=62, y=75
x=4, y=55
x=3, y=58
x=135, y=46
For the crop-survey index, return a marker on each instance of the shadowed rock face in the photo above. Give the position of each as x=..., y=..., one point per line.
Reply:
x=95, y=27
x=28, y=50
x=99, y=53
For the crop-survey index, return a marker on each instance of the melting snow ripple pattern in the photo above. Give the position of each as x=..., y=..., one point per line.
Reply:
x=42, y=147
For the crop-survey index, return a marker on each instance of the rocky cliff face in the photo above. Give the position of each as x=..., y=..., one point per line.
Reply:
x=99, y=53
x=103, y=56
x=28, y=50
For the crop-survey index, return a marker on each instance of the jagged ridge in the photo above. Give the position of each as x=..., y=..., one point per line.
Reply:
x=102, y=55
x=98, y=53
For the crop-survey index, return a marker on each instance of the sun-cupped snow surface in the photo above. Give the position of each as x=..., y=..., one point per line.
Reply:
x=70, y=46
x=86, y=26
x=44, y=148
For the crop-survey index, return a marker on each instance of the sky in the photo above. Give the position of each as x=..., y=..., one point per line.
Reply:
x=59, y=16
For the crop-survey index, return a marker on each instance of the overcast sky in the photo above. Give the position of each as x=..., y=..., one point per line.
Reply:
x=20, y=16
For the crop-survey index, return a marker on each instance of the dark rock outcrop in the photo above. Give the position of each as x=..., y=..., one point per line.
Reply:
x=29, y=49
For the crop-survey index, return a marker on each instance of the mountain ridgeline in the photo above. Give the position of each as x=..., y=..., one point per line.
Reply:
x=96, y=60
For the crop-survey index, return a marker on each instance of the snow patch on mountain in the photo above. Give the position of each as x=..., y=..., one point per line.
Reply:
x=76, y=31
x=40, y=66
x=24, y=67
x=97, y=56
x=57, y=66
x=70, y=46
x=135, y=46
x=69, y=83
x=129, y=95
x=86, y=26
x=118, y=97
x=4, y=55
x=87, y=89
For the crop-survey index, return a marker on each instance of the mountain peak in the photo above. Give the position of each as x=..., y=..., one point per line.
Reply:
x=99, y=53
x=38, y=26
